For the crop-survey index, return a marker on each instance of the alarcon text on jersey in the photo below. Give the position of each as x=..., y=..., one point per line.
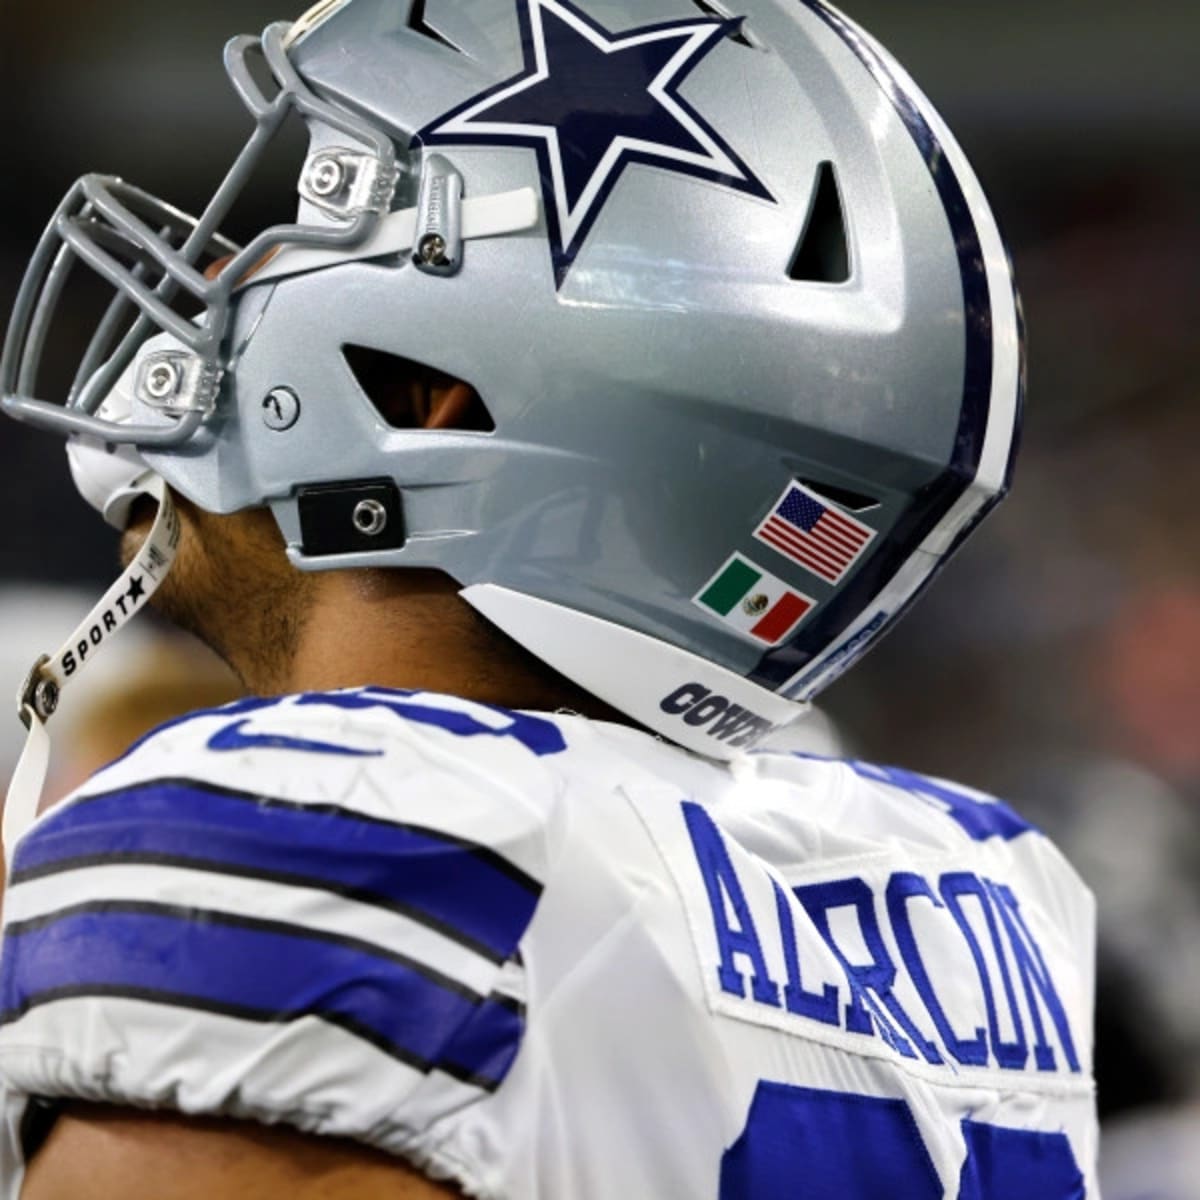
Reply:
x=970, y=987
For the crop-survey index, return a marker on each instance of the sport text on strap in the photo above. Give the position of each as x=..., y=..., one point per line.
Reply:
x=41, y=694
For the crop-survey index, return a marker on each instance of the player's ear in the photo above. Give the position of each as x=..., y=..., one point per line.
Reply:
x=451, y=407
x=411, y=395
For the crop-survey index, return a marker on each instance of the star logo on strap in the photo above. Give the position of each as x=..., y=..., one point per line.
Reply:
x=591, y=103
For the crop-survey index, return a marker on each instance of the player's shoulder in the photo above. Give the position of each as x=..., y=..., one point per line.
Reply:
x=409, y=755
x=371, y=753
x=386, y=765
x=353, y=726
x=393, y=846
x=388, y=754
x=894, y=802
x=851, y=810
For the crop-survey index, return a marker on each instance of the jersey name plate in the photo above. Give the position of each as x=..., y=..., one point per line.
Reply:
x=936, y=965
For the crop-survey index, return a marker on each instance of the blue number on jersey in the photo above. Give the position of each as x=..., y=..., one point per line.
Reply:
x=830, y=1146
x=536, y=734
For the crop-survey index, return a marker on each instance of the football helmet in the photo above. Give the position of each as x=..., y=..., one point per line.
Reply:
x=733, y=300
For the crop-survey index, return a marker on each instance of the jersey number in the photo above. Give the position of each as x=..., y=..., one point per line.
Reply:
x=803, y=1142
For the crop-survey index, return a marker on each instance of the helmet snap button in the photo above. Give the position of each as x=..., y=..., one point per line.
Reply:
x=162, y=380
x=327, y=177
x=370, y=518
x=433, y=250
x=45, y=698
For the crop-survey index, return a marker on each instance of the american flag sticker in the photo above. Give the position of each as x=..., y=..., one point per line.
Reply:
x=754, y=602
x=815, y=533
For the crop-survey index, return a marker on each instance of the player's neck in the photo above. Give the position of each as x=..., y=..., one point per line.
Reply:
x=410, y=630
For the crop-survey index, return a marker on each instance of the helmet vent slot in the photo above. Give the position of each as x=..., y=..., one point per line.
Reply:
x=738, y=31
x=823, y=254
x=411, y=395
x=418, y=24
x=854, y=502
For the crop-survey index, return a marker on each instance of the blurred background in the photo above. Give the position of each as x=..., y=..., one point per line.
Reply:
x=1058, y=662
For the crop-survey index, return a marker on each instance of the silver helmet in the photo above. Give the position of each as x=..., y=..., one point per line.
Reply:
x=731, y=296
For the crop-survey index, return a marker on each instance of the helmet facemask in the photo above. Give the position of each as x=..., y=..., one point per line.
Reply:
x=154, y=256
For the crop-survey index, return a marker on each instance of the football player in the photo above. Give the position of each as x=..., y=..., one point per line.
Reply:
x=627, y=370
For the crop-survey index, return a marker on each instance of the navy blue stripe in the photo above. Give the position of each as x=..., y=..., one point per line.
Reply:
x=463, y=889
x=256, y=969
x=287, y=878
x=931, y=504
x=486, y=1046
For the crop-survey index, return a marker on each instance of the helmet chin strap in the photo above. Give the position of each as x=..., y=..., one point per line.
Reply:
x=41, y=694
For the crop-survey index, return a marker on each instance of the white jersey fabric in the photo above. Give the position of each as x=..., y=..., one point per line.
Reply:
x=555, y=959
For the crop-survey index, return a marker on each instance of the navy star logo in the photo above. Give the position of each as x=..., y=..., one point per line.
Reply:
x=592, y=103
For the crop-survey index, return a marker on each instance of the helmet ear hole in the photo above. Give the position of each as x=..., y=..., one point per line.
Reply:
x=406, y=394
x=823, y=254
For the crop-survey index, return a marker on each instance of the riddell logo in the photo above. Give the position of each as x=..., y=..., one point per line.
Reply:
x=719, y=716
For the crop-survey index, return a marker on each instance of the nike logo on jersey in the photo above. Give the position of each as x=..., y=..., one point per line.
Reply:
x=941, y=967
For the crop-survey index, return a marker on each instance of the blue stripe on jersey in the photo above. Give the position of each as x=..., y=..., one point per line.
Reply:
x=465, y=891
x=259, y=971
x=485, y=1047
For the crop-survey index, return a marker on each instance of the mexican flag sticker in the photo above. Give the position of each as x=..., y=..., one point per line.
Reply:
x=754, y=602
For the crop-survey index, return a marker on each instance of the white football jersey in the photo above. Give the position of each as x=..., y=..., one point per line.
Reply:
x=555, y=959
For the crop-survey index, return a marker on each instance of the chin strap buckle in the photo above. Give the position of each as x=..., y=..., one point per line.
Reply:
x=41, y=693
x=38, y=697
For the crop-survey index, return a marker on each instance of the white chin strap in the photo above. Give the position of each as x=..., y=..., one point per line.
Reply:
x=41, y=694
